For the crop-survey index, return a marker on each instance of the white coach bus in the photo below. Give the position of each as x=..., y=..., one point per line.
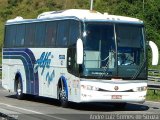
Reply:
x=76, y=55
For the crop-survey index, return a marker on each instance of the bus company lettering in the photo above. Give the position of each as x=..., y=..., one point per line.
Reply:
x=43, y=62
x=50, y=76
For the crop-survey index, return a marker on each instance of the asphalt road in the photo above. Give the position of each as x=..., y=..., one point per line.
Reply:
x=40, y=108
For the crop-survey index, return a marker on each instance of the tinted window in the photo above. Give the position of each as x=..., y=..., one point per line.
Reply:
x=30, y=34
x=50, y=34
x=99, y=50
x=20, y=35
x=62, y=35
x=127, y=34
x=74, y=32
x=10, y=36
x=40, y=34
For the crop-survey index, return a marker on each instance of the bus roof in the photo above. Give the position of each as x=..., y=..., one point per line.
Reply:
x=81, y=14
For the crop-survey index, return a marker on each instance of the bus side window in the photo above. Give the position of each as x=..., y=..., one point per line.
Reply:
x=72, y=65
x=62, y=33
x=30, y=35
x=40, y=34
x=50, y=34
x=10, y=35
x=20, y=33
x=74, y=32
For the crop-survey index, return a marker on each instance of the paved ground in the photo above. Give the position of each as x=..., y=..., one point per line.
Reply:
x=39, y=108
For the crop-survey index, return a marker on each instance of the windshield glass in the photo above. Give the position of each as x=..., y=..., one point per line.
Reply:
x=130, y=49
x=111, y=50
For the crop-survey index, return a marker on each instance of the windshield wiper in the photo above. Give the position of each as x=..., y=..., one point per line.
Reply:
x=139, y=70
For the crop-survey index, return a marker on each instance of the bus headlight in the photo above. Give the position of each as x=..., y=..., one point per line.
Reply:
x=140, y=89
x=89, y=87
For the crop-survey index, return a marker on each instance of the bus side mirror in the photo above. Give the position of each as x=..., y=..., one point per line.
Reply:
x=155, y=54
x=79, y=50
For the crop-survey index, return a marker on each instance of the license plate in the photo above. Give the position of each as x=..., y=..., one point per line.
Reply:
x=116, y=96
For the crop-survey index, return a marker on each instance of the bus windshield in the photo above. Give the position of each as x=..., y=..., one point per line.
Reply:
x=114, y=50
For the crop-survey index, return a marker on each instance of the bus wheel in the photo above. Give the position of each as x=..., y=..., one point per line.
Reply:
x=19, y=91
x=63, y=98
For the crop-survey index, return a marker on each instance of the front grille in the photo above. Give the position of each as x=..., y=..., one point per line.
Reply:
x=102, y=90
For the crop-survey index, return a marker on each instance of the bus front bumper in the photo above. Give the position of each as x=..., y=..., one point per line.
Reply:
x=96, y=96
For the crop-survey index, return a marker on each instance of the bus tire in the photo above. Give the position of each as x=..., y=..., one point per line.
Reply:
x=62, y=95
x=19, y=89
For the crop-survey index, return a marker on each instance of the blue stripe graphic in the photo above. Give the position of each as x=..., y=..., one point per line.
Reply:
x=65, y=84
x=28, y=60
